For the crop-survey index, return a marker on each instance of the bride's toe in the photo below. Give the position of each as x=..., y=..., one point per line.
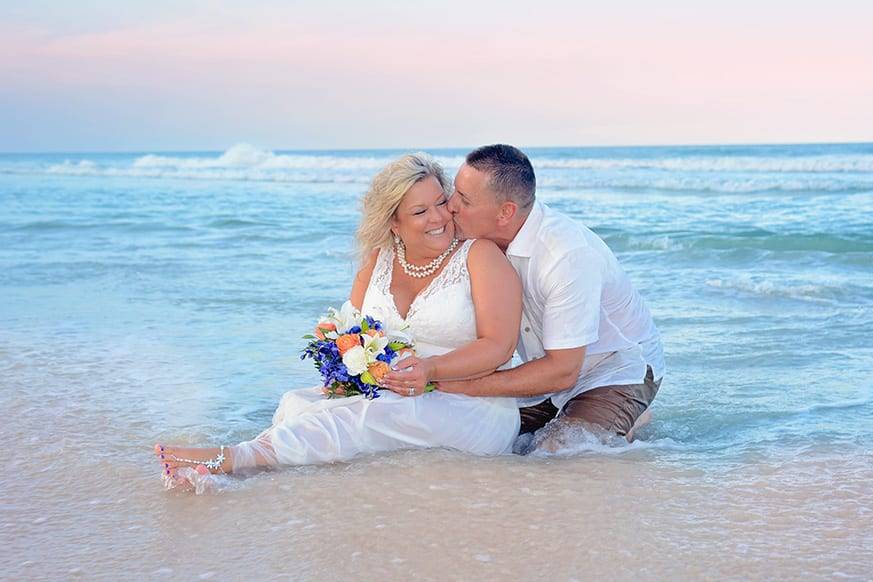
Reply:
x=160, y=453
x=169, y=463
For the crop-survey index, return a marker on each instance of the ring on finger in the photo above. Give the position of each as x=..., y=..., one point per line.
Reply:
x=410, y=391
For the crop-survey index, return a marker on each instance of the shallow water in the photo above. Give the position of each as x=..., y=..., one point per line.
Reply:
x=149, y=297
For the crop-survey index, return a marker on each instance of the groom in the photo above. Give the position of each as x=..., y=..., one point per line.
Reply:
x=592, y=354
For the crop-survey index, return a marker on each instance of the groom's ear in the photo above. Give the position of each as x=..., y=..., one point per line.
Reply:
x=507, y=212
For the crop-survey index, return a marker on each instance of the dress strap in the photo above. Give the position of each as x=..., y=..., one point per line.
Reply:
x=381, y=277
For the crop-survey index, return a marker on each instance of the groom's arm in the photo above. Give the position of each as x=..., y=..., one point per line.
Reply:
x=557, y=370
x=572, y=288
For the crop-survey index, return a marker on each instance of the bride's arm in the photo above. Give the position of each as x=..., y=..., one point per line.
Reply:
x=362, y=280
x=496, y=292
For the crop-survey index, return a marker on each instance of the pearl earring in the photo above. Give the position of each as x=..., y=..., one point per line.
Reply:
x=396, y=239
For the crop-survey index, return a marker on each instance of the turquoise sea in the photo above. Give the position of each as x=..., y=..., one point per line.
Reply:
x=162, y=296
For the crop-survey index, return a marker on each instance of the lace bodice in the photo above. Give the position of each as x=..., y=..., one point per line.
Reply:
x=440, y=318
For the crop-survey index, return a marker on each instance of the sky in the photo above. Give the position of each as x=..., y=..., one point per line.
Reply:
x=95, y=75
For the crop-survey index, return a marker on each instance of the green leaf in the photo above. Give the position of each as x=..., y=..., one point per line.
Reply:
x=397, y=346
x=430, y=387
x=367, y=378
x=309, y=336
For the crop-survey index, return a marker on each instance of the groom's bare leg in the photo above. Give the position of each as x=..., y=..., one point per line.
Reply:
x=644, y=419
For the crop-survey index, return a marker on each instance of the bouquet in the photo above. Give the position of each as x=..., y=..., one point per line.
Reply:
x=353, y=352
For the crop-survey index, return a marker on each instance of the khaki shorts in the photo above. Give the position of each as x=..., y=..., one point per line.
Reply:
x=614, y=409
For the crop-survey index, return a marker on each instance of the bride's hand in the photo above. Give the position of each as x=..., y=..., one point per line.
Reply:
x=410, y=378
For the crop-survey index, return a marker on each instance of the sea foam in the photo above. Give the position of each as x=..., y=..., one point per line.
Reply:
x=716, y=173
x=770, y=288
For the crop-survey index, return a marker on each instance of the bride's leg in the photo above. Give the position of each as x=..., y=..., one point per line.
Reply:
x=341, y=430
x=255, y=453
x=306, y=430
x=334, y=430
x=317, y=436
x=172, y=458
x=309, y=438
x=359, y=426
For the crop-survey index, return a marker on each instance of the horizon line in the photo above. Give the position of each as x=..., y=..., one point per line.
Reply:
x=430, y=149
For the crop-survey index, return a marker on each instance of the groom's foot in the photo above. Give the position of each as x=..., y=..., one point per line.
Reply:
x=173, y=458
x=563, y=433
x=644, y=419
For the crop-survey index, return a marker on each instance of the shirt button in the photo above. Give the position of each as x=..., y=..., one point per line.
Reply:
x=526, y=329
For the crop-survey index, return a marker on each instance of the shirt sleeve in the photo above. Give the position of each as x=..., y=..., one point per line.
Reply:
x=571, y=318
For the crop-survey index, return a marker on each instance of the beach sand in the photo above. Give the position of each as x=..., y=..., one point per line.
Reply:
x=95, y=509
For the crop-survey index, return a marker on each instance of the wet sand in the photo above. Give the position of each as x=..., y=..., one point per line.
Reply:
x=439, y=515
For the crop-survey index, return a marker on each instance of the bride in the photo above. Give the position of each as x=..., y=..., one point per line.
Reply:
x=460, y=301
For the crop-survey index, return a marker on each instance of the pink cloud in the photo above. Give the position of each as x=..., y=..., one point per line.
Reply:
x=619, y=77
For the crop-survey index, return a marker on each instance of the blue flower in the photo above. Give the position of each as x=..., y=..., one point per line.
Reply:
x=373, y=323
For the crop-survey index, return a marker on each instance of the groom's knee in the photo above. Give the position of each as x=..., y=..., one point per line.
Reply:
x=613, y=409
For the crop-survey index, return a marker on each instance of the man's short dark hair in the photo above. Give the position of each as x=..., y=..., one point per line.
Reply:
x=512, y=175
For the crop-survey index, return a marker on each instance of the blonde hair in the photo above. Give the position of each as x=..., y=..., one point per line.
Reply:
x=386, y=191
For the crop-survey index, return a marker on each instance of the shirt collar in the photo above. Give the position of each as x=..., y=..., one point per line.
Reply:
x=523, y=243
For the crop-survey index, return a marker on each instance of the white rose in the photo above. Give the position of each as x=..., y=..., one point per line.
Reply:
x=355, y=360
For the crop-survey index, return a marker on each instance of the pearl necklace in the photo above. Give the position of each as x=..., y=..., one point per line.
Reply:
x=425, y=270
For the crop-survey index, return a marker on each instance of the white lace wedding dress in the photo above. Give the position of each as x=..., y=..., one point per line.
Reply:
x=309, y=428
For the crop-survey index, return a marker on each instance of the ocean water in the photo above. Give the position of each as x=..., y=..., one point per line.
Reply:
x=161, y=296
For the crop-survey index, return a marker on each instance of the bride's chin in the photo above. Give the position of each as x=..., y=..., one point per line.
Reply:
x=433, y=247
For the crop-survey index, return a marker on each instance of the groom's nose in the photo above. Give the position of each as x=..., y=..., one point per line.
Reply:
x=452, y=205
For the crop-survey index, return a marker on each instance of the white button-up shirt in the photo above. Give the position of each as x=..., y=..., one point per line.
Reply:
x=576, y=294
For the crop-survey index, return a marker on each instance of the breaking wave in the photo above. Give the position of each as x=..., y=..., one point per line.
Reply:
x=671, y=172
x=859, y=163
x=768, y=288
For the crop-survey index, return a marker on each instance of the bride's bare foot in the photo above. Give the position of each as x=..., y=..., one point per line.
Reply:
x=202, y=460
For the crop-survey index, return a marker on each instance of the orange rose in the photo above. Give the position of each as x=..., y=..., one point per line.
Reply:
x=321, y=328
x=374, y=333
x=378, y=370
x=346, y=342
